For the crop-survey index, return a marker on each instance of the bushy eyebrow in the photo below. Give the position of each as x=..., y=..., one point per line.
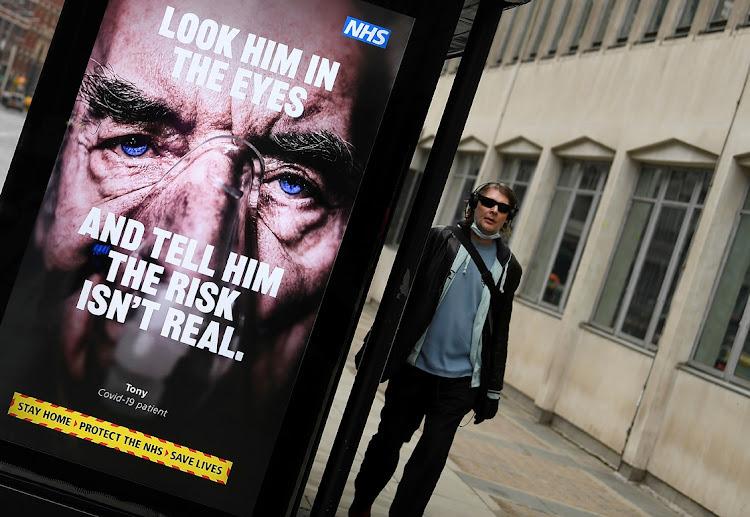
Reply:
x=321, y=150
x=109, y=96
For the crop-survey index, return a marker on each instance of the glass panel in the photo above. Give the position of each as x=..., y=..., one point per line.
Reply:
x=676, y=279
x=590, y=178
x=524, y=30
x=728, y=305
x=568, y=175
x=520, y=191
x=722, y=10
x=649, y=182
x=655, y=21
x=403, y=207
x=653, y=272
x=601, y=29
x=542, y=28
x=526, y=170
x=681, y=185
x=571, y=239
x=559, y=30
x=706, y=178
x=582, y=21
x=539, y=267
x=506, y=36
x=461, y=186
x=627, y=22
x=452, y=196
x=622, y=264
x=687, y=15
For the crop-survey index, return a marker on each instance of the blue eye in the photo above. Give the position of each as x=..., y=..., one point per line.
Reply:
x=290, y=187
x=135, y=145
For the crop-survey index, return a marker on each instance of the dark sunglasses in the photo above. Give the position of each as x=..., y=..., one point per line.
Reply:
x=489, y=203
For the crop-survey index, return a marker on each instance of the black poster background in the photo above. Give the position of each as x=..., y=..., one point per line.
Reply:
x=237, y=412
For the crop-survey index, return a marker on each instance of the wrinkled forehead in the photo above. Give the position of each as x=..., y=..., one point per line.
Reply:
x=142, y=41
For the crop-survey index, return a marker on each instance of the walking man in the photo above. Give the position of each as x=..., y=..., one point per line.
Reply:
x=449, y=353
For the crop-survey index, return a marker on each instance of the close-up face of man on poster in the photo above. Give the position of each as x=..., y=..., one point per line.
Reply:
x=237, y=128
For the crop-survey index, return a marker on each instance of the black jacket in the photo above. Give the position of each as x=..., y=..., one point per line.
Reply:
x=440, y=251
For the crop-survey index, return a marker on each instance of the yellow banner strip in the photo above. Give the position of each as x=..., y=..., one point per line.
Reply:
x=120, y=438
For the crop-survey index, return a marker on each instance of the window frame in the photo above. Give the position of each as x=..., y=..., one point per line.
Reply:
x=717, y=25
x=602, y=25
x=650, y=35
x=506, y=38
x=561, y=24
x=671, y=274
x=522, y=36
x=465, y=179
x=405, y=202
x=538, y=298
x=728, y=374
x=684, y=30
x=541, y=29
x=513, y=181
x=583, y=21
x=628, y=20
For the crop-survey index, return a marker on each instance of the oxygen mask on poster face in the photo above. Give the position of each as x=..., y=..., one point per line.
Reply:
x=185, y=328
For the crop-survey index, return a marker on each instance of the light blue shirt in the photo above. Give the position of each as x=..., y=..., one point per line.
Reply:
x=463, y=262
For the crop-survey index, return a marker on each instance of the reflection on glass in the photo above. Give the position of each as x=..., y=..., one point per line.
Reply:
x=720, y=15
x=623, y=263
x=627, y=22
x=537, y=275
x=722, y=328
x=653, y=272
x=558, y=278
x=655, y=21
x=686, y=16
x=675, y=280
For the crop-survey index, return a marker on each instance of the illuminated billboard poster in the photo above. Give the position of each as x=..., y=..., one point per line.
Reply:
x=187, y=235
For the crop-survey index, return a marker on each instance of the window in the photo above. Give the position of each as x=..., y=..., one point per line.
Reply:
x=506, y=36
x=517, y=173
x=524, y=30
x=720, y=15
x=403, y=205
x=542, y=28
x=627, y=22
x=651, y=252
x=563, y=237
x=686, y=17
x=654, y=22
x=559, y=30
x=460, y=186
x=601, y=27
x=581, y=26
x=724, y=344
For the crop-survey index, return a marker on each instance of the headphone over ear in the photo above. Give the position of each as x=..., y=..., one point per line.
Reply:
x=474, y=199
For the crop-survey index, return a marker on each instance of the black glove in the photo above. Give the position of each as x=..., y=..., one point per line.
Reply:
x=485, y=410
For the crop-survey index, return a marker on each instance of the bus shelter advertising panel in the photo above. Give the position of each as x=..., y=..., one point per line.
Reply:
x=188, y=233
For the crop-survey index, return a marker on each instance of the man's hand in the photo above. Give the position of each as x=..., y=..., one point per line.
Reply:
x=485, y=410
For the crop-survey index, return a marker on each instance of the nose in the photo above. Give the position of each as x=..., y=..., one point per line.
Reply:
x=208, y=196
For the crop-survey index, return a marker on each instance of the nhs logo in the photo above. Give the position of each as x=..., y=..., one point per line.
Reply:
x=363, y=31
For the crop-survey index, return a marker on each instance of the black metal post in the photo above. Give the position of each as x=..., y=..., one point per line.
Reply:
x=407, y=259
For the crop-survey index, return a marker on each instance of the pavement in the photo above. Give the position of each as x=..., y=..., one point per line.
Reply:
x=508, y=466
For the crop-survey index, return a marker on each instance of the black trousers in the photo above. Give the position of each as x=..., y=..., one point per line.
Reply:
x=413, y=394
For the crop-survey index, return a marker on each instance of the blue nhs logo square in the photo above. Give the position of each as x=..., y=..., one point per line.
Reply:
x=367, y=32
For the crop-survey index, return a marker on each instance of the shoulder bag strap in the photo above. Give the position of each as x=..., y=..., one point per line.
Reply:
x=486, y=275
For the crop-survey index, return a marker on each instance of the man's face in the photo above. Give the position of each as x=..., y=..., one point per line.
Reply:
x=135, y=122
x=490, y=220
